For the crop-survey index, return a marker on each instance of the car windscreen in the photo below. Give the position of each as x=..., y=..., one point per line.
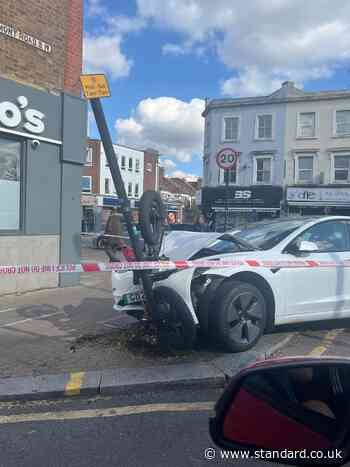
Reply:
x=266, y=236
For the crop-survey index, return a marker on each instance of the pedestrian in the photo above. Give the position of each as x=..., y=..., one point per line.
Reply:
x=114, y=236
x=202, y=224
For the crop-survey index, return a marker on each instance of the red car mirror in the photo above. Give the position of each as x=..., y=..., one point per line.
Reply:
x=292, y=411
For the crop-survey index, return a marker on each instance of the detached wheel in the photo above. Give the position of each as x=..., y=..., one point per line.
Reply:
x=152, y=215
x=176, y=329
x=239, y=315
x=100, y=243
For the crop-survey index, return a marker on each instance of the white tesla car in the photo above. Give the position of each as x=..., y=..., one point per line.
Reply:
x=236, y=305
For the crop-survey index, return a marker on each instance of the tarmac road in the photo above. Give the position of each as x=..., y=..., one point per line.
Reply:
x=168, y=429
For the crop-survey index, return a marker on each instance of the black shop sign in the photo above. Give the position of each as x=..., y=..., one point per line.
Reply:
x=242, y=197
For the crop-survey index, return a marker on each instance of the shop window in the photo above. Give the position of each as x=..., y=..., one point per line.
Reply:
x=88, y=161
x=130, y=164
x=88, y=219
x=306, y=125
x=231, y=128
x=263, y=168
x=137, y=165
x=107, y=186
x=129, y=189
x=123, y=164
x=263, y=127
x=136, y=190
x=342, y=168
x=305, y=169
x=86, y=184
x=342, y=123
x=10, y=184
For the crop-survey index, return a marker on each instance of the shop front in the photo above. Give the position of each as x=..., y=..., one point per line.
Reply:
x=42, y=150
x=240, y=205
x=318, y=200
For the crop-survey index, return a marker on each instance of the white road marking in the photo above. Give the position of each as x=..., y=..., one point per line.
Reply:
x=107, y=412
x=31, y=319
x=7, y=310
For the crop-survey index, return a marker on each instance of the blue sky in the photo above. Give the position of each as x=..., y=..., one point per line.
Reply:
x=163, y=57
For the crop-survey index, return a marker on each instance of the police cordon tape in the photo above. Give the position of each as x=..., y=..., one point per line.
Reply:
x=167, y=265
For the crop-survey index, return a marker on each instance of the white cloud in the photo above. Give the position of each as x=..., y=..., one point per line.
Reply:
x=103, y=54
x=273, y=40
x=95, y=8
x=125, y=24
x=250, y=82
x=168, y=164
x=188, y=177
x=173, y=49
x=172, y=126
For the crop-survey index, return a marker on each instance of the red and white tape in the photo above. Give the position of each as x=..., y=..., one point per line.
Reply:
x=164, y=265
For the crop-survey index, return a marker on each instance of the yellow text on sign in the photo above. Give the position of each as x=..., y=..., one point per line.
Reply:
x=95, y=86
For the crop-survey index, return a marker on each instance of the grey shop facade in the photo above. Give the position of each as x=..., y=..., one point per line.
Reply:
x=42, y=151
x=244, y=204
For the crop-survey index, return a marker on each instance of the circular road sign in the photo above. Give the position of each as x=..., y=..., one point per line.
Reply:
x=227, y=158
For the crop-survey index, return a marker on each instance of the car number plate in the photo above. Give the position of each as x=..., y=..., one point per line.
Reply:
x=131, y=298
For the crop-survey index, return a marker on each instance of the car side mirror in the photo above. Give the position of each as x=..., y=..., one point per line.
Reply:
x=304, y=247
x=294, y=411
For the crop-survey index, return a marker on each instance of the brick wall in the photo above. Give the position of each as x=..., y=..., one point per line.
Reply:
x=150, y=167
x=56, y=22
x=94, y=171
x=73, y=64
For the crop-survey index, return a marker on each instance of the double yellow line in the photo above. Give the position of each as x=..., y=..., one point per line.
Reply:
x=326, y=342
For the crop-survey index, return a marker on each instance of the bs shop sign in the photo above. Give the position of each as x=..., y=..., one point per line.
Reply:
x=227, y=158
x=19, y=115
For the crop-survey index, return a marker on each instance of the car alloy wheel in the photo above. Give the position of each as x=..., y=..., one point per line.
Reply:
x=238, y=316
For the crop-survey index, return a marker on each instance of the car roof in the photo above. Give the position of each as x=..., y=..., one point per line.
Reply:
x=302, y=219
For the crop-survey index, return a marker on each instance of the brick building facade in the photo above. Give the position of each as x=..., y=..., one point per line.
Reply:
x=57, y=23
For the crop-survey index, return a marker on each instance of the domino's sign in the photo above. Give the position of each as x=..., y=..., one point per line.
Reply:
x=19, y=115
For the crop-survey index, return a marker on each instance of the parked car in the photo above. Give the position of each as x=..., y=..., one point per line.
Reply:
x=235, y=306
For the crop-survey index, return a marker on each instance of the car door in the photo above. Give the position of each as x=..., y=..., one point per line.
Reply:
x=318, y=293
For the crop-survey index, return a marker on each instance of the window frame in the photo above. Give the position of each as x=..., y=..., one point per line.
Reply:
x=223, y=133
x=90, y=177
x=296, y=166
x=298, y=132
x=129, y=189
x=221, y=175
x=109, y=188
x=333, y=156
x=137, y=165
x=335, y=132
x=88, y=163
x=123, y=162
x=130, y=166
x=22, y=189
x=286, y=249
x=137, y=192
x=255, y=169
x=256, y=132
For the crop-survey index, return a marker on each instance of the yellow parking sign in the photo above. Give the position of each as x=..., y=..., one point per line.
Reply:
x=95, y=86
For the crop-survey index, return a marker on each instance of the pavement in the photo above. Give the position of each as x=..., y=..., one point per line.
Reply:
x=70, y=341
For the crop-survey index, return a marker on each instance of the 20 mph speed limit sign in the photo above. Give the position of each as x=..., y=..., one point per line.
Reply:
x=227, y=158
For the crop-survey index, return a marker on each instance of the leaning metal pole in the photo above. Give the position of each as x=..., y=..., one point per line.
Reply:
x=119, y=186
